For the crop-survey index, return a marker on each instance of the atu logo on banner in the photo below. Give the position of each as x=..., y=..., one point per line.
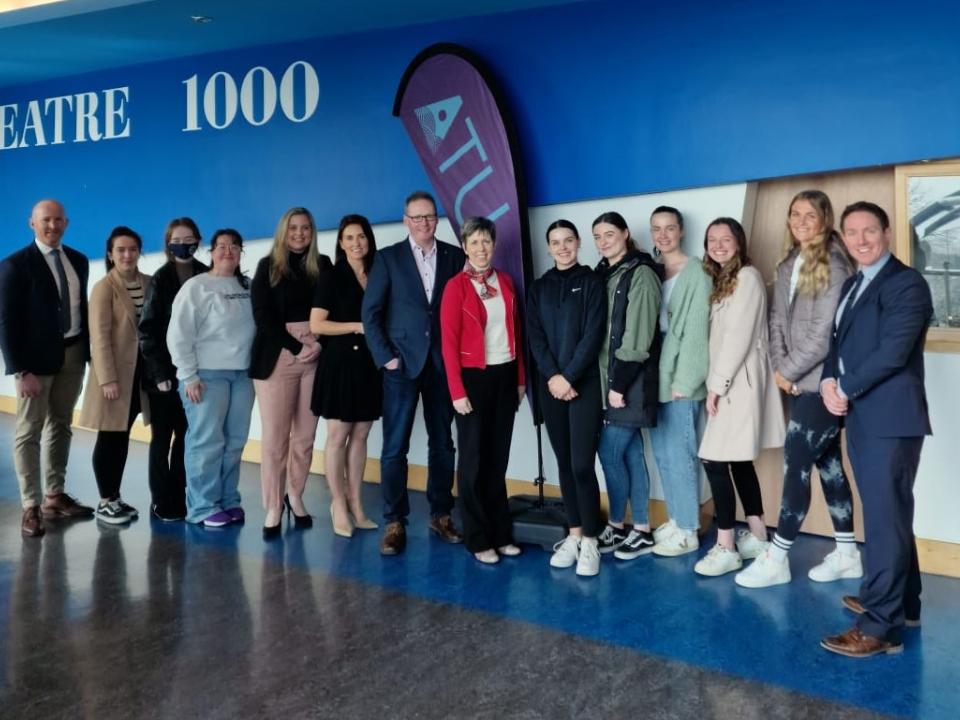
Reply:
x=453, y=115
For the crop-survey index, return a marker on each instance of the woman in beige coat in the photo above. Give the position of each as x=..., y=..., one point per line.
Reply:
x=114, y=395
x=743, y=406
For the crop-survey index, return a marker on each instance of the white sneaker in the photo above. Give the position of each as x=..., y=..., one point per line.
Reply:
x=837, y=566
x=764, y=572
x=565, y=552
x=719, y=561
x=665, y=530
x=749, y=545
x=588, y=564
x=679, y=542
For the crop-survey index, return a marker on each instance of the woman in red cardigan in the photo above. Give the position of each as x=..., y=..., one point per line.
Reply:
x=483, y=357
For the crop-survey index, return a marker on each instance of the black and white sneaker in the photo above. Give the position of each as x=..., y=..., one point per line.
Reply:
x=112, y=513
x=611, y=538
x=637, y=543
x=128, y=509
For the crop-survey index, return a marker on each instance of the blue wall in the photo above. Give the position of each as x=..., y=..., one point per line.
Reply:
x=609, y=99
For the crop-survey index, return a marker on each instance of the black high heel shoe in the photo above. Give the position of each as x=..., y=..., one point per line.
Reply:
x=273, y=531
x=300, y=522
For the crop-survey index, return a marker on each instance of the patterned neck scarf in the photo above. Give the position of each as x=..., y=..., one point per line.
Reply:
x=480, y=276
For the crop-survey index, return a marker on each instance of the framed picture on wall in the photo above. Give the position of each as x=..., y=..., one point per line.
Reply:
x=928, y=239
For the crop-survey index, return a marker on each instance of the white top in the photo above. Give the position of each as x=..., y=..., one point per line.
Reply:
x=211, y=326
x=666, y=288
x=496, y=343
x=795, y=275
x=73, y=283
x=426, y=266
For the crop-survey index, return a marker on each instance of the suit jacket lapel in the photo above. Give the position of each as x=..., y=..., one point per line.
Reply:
x=407, y=259
x=42, y=270
x=867, y=295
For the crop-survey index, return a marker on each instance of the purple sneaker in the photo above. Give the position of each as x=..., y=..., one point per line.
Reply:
x=236, y=514
x=218, y=519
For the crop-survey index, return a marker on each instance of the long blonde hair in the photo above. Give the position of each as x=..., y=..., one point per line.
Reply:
x=815, y=272
x=280, y=255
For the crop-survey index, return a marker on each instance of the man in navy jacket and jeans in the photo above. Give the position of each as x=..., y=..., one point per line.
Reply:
x=401, y=321
x=45, y=344
x=873, y=377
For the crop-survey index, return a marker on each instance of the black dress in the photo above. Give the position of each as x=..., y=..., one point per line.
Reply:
x=348, y=385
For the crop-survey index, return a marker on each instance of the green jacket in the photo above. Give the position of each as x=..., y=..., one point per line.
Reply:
x=684, y=358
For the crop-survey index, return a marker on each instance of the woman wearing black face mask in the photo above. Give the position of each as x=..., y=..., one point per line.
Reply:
x=167, y=475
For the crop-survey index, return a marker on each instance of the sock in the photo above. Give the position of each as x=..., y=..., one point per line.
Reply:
x=779, y=548
x=846, y=543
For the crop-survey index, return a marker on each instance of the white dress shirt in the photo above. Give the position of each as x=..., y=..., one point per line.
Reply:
x=73, y=281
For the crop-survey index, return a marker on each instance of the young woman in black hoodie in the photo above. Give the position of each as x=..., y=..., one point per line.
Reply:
x=566, y=319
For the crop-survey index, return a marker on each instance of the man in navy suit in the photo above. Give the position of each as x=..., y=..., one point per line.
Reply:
x=45, y=344
x=873, y=377
x=401, y=321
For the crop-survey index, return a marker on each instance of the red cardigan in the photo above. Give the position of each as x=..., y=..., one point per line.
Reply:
x=462, y=322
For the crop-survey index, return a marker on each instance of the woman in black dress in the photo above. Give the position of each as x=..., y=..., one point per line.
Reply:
x=347, y=391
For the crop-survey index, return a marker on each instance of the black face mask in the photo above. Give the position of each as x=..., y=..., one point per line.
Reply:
x=184, y=251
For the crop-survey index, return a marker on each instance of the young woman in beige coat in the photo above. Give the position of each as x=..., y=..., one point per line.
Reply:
x=114, y=395
x=744, y=413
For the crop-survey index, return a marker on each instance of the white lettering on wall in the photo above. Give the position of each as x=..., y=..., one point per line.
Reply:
x=257, y=98
x=96, y=115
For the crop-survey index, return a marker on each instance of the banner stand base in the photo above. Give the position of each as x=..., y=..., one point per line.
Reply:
x=538, y=521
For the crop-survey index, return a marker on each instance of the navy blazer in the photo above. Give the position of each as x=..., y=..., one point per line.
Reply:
x=881, y=342
x=30, y=336
x=398, y=322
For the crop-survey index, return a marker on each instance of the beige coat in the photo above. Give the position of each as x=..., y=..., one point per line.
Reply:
x=750, y=415
x=113, y=355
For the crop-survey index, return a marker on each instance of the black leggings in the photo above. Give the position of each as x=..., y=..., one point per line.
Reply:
x=724, y=500
x=110, y=450
x=168, y=480
x=574, y=429
x=813, y=438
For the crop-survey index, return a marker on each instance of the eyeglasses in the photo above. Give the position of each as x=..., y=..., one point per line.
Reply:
x=421, y=219
x=227, y=247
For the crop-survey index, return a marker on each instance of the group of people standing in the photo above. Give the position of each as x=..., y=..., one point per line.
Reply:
x=640, y=342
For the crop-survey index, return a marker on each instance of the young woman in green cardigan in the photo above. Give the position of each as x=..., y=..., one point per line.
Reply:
x=684, y=325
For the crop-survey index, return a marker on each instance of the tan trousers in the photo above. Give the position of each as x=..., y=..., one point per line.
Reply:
x=47, y=417
x=289, y=427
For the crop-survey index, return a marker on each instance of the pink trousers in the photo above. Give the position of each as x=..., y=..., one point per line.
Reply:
x=289, y=427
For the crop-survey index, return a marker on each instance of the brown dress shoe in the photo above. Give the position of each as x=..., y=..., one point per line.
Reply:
x=31, y=525
x=444, y=528
x=394, y=539
x=857, y=644
x=64, y=506
x=852, y=603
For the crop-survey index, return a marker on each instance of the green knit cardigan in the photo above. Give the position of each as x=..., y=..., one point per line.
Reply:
x=684, y=357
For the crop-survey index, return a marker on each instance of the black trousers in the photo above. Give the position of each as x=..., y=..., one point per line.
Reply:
x=168, y=479
x=110, y=450
x=483, y=441
x=723, y=476
x=574, y=430
x=813, y=438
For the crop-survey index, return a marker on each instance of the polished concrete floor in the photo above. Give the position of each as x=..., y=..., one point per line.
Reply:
x=174, y=621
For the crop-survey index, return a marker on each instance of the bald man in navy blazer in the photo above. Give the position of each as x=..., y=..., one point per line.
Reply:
x=45, y=344
x=873, y=377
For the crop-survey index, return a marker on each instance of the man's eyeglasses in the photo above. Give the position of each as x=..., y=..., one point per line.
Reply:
x=421, y=219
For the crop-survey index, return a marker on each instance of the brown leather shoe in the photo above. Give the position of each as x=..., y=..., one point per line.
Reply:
x=857, y=644
x=444, y=528
x=64, y=506
x=852, y=603
x=31, y=525
x=394, y=539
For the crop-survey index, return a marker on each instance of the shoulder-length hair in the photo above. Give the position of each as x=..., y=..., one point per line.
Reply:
x=340, y=256
x=725, y=276
x=280, y=255
x=815, y=273
x=173, y=225
x=238, y=240
x=120, y=231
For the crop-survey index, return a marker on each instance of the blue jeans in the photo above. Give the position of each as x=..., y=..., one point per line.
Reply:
x=675, y=444
x=400, y=396
x=217, y=429
x=625, y=471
